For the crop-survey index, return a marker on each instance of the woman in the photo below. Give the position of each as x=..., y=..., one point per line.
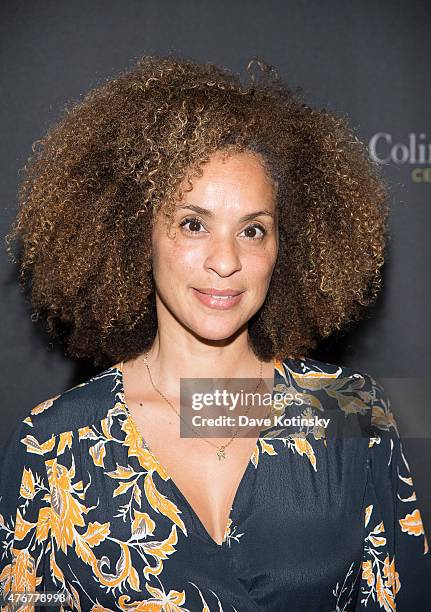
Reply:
x=175, y=225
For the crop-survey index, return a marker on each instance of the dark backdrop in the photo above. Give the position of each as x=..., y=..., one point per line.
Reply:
x=367, y=60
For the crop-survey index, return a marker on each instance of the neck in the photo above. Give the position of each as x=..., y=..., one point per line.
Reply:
x=169, y=363
x=178, y=357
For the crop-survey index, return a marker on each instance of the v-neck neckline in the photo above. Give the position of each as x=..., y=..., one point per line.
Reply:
x=240, y=485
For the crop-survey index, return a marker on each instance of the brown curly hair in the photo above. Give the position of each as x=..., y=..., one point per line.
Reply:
x=95, y=180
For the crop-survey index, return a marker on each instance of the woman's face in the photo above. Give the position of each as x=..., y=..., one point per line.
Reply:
x=224, y=238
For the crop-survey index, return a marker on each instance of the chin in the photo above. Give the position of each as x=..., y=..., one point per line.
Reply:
x=215, y=331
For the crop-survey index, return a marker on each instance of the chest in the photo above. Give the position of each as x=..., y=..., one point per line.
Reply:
x=207, y=483
x=296, y=525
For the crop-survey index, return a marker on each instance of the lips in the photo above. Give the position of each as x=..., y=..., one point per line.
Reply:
x=218, y=292
x=218, y=299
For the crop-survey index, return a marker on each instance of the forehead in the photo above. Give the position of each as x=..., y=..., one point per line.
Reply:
x=240, y=176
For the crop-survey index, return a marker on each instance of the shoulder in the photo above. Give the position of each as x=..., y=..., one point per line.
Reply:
x=76, y=407
x=353, y=392
x=307, y=368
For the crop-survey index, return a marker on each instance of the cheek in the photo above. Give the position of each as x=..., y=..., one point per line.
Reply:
x=184, y=259
x=171, y=259
x=261, y=265
x=256, y=275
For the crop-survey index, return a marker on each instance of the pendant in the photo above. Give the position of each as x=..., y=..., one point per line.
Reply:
x=221, y=453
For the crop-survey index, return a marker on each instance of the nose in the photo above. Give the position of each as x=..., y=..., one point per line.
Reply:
x=223, y=256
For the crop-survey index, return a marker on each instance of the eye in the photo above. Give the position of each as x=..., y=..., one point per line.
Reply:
x=194, y=221
x=253, y=227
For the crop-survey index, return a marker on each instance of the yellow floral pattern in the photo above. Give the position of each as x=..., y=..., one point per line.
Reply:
x=86, y=510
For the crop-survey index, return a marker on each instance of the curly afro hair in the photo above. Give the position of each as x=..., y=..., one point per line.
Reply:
x=95, y=181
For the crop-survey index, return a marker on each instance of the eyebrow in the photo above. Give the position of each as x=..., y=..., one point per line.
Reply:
x=209, y=213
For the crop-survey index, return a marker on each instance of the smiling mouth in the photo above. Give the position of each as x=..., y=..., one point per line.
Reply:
x=219, y=293
x=218, y=301
x=219, y=297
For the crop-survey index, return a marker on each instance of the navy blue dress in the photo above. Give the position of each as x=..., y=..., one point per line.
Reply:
x=319, y=522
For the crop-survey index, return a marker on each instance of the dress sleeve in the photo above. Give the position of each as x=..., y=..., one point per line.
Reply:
x=25, y=509
x=396, y=567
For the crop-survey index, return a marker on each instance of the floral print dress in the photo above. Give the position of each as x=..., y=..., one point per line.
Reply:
x=319, y=522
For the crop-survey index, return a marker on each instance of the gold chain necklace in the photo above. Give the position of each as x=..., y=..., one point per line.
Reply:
x=221, y=452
